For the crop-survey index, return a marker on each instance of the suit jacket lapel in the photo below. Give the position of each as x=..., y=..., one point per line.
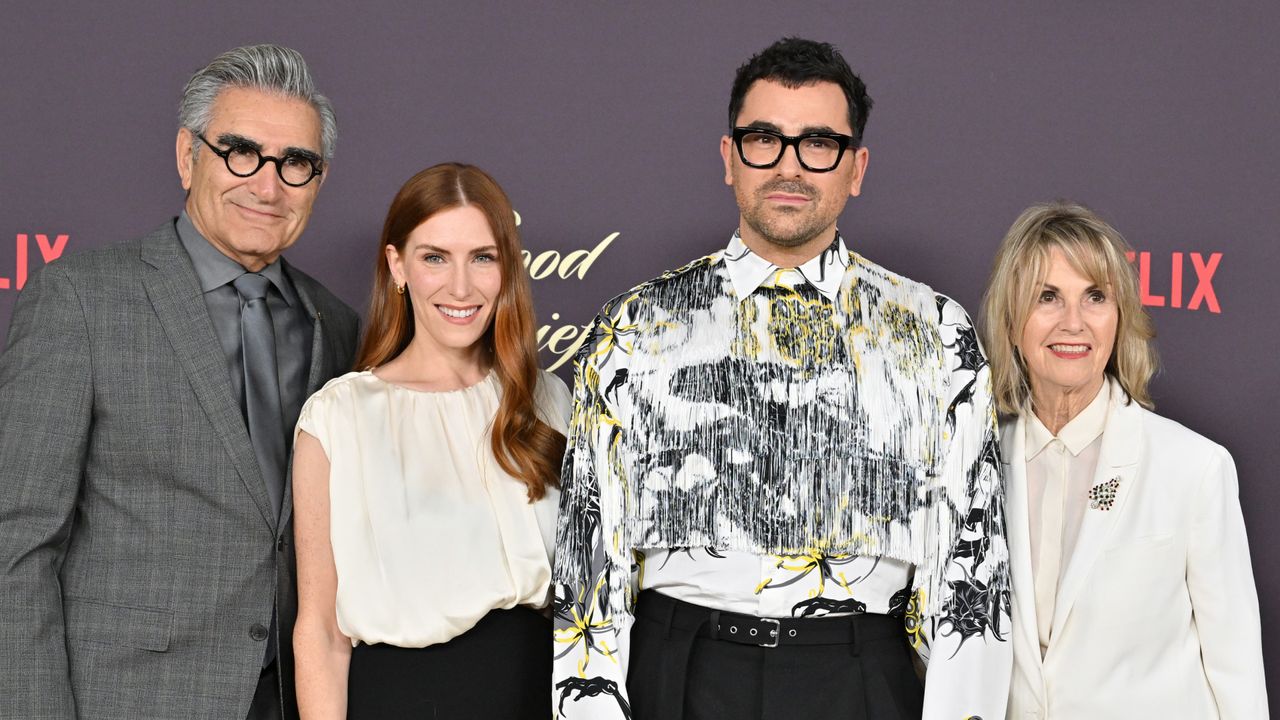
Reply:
x=322, y=369
x=322, y=353
x=1117, y=459
x=174, y=291
x=1013, y=450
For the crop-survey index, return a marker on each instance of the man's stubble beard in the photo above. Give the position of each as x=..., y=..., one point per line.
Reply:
x=773, y=227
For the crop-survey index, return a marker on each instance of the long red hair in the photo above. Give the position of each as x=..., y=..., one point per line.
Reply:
x=525, y=447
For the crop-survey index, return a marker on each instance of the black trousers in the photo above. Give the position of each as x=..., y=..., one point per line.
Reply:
x=679, y=672
x=501, y=668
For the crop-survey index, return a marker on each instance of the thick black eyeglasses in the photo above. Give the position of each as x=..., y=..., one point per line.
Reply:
x=294, y=169
x=817, y=151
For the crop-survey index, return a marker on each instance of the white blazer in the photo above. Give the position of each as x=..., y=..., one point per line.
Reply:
x=1156, y=614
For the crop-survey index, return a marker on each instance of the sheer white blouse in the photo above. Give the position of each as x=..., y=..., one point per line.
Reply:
x=428, y=533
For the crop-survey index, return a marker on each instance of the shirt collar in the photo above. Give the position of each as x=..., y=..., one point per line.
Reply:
x=748, y=271
x=216, y=270
x=1076, y=434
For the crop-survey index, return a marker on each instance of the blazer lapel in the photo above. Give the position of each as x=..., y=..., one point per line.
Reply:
x=1013, y=449
x=174, y=291
x=1117, y=460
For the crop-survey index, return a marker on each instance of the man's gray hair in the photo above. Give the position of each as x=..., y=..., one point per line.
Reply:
x=269, y=68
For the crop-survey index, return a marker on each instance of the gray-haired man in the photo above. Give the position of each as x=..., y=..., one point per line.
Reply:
x=147, y=398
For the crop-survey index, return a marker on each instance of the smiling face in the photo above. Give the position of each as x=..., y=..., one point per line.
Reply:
x=787, y=211
x=250, y=220
x=1068, y=337
x=450, y=270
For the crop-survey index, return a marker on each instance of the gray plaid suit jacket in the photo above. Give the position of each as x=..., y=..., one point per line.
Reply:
x=139, y=555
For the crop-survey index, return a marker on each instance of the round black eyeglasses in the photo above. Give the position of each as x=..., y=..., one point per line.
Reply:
x=294, y=169
x=817, y=151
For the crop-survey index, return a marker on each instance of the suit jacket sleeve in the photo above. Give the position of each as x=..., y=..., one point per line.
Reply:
x=46, y=405
x=1223, y=597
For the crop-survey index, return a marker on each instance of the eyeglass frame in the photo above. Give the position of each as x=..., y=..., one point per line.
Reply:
x=317, y=166
x=844, y=142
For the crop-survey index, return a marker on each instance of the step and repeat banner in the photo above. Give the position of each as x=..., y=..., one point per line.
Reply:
x=602, y=121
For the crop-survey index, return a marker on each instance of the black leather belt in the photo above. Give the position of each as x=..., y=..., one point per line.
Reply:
x=767, y=632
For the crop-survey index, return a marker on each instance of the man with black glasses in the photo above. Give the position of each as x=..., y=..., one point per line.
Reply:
x=148, y=396
x=782, y=479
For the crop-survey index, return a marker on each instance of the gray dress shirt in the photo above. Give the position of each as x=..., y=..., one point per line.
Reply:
x=292, y=324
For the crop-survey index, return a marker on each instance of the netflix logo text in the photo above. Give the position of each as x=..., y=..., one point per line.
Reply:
x=15, y=269
x=1163, y=281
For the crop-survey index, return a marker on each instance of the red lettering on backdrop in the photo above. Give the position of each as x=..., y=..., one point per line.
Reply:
x=1144, y=282
x=49, y=251
x=1204, y=293
x=22, y=260
x=1175, y=284
x=1204, y=281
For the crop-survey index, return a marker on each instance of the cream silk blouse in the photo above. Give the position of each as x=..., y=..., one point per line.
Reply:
x=1060, y=471
x=428, y=533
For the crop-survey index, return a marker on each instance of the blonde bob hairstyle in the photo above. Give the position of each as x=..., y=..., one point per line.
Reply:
x=1096, y=251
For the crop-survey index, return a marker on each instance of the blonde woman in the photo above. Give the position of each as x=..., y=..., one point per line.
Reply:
x=1133, y=592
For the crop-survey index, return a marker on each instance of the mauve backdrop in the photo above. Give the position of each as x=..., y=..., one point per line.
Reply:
x=604, y=118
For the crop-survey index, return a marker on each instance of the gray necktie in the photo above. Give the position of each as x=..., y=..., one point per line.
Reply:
x=262, y=383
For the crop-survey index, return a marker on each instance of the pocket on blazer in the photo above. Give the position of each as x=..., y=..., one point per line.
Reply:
x=1132, y=572
x=110, y=624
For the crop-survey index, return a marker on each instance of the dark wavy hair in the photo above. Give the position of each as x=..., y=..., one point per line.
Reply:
x=796, y=62
x=525, y=447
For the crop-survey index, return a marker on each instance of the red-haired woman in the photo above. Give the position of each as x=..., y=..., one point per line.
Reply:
x=425, y=484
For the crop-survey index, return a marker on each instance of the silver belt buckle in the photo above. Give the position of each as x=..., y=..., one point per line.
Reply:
x=775, y=633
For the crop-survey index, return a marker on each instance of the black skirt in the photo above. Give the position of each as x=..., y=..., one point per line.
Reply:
x=678, y=671
x=501, y=668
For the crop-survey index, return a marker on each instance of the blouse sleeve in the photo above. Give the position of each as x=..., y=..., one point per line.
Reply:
x=593, y=579
x=965, y=644
x=555, y=402
x=321, y=414
x=311, y=419
x=1223, y=596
